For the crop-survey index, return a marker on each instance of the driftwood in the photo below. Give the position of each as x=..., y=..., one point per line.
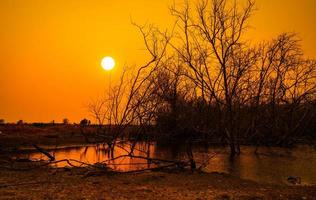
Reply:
x=51, y=158
x=101, y=167
x=40, y=164
x=106, y=166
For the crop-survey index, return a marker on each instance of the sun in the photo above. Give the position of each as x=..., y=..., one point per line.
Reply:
x=108, y=63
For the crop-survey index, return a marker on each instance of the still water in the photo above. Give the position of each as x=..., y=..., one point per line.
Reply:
x=269, y=165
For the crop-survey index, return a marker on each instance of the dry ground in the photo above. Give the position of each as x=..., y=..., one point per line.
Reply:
x=80, y=184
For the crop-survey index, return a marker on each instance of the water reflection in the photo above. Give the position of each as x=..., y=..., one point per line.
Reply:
x=271, y=165
x=100, y=154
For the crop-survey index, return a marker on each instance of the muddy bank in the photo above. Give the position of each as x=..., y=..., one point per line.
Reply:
x=81, y=184
x=13, y=137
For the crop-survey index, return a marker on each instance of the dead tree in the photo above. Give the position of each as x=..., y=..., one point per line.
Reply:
x=210, y=44
x=128, y=101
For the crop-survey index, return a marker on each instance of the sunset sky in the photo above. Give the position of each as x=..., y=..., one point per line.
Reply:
x=51, y=49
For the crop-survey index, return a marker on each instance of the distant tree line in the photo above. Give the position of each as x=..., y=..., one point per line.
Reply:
x=65, y=121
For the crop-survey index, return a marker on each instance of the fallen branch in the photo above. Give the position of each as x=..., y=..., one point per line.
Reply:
x=204, y=164
x=156, y=168
x=51, y=158
x=142, y=157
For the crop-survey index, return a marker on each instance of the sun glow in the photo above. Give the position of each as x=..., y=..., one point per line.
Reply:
x=108, y=63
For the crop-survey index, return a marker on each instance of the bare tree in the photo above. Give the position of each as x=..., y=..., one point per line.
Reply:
x=205, y=77
x=215, y=55
x=128, y=102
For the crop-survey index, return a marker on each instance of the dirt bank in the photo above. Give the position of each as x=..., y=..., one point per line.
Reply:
x=80, y=184
x=13, y=137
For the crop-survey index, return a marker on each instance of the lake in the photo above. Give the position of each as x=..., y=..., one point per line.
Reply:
x=269, y=165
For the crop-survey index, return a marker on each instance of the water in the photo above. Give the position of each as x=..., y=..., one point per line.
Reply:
x=270, y=165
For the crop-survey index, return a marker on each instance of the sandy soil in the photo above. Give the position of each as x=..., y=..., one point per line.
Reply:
x=82, y=184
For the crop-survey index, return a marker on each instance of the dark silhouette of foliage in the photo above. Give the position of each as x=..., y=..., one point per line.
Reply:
x=205, y=82
x=65, y=121
x=84, y=122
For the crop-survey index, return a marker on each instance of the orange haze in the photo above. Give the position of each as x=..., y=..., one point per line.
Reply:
x=51, y=50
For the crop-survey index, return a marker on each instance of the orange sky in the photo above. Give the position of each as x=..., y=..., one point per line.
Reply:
x=51, y=50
